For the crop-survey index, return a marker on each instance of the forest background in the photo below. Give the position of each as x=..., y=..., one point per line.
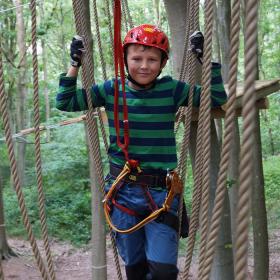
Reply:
x=64, y=149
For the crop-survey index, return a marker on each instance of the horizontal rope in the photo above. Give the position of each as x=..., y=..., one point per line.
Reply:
x=99, y=267
x=15, y=7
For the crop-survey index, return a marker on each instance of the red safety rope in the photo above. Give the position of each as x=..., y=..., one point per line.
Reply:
x=119, y=67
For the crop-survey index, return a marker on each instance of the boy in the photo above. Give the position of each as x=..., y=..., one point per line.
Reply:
x=150, y=252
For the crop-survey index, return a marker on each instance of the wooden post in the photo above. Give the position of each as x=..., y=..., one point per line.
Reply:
x=259, y=217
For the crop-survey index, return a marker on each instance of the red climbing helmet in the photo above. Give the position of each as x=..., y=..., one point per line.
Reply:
x=147, y=35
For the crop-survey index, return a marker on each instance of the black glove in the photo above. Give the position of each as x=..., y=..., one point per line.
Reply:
x=76, y=51
x=196, y=44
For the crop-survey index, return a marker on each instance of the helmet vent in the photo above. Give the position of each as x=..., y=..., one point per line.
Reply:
x=131, y=35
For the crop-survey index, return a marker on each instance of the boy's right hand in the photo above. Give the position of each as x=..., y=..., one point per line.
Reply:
x=76, y=51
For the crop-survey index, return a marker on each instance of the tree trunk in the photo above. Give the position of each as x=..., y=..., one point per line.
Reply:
x=21, y=88
x=45, y=73
x=98, y=237
x=65, y=54
x=5, y=250
x=224, y=18
x=259, y=218
x=233, y=175
x=223, y=261
x=176, y=14
x=157, y=11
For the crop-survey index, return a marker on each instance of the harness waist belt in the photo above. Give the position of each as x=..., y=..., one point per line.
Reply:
x=150, y=180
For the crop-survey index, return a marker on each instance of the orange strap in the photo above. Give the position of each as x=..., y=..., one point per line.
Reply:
x=174, y=186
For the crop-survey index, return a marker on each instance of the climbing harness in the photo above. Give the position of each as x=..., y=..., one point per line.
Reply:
x=173, y=184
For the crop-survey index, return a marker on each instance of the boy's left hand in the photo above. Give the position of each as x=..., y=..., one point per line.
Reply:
x=76, y=51
x=196, y=43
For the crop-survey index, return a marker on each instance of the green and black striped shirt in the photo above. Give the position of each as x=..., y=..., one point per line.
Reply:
x=151, y=115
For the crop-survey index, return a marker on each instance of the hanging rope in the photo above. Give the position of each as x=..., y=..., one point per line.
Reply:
x=108, y=14
x=92, y=126
x=226, y=148
x=124, y=18
x=246, y=156
x=41, y=197
x=186, y=67
x=187, y=111
x=103, y=67
x=205, y=105
x=15, y=175
x=127, y=13
x=206, y=147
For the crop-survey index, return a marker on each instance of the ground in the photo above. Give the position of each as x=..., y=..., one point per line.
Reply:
x=74, y=264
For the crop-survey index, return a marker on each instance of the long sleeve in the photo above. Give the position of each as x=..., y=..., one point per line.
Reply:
x=69, y=98
x=218, y=93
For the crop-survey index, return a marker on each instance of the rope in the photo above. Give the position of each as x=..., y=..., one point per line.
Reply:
x=92, y=126
x=16, y=7
x=197, y=177
x=103, y=67
x=41, y=197
x=174, y=186
x=186, y=40
x=246, y=156
x=226, y=148
x=187, y=111
x=108, y=14
x=206, y=108
x=99, y=43
x=15, y=175
x=127, y=13
x=124, y=17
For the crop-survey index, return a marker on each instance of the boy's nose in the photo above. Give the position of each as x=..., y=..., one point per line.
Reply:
x=144, y=64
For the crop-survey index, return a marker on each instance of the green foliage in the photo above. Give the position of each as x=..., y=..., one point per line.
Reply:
x=272, y=179
x=270, y=127
x=13, y=216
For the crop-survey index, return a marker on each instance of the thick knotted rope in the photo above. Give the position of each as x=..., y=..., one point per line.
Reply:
x=15, y=175
x=103, y=67
x=206, y=120
x=246, y=156
x=226, y=148
x=194, y=13
x=127, y=14
x=187, y=111
x=91, y=122
x=41, y=196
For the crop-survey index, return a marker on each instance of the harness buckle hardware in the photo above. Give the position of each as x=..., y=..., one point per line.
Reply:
x=132, y=177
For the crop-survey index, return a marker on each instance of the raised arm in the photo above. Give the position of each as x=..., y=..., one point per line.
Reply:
x=69, y=98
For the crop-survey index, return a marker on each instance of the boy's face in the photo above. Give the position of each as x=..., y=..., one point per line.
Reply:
x=144, y=64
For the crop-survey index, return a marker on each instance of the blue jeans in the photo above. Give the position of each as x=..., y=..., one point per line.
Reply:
x=155, y=242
